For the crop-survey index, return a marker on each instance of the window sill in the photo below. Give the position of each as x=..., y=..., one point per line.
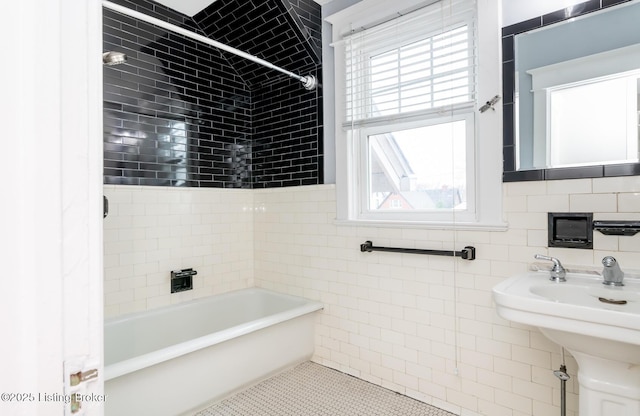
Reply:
x=454, y=226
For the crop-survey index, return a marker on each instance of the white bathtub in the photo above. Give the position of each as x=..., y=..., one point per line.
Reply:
x=172, y=360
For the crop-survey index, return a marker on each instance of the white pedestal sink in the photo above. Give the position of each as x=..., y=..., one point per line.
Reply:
x=598, y=324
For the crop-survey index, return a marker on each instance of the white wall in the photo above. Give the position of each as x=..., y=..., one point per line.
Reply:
x=152, y=230
x=402, y=321
x=408, y=321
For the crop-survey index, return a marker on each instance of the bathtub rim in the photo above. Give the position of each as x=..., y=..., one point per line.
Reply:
x=130, y=365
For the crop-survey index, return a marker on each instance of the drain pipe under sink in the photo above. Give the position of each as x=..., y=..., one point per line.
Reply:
x=563, y=376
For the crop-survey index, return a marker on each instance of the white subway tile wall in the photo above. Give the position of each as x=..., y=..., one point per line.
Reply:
x=424, y=326
x=152, y=230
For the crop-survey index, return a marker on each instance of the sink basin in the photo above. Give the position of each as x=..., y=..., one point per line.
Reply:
x=574, y=306
x=598, y=324
x=592, y=297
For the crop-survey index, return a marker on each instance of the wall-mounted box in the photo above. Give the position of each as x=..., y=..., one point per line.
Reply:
x=570, y=229
x=182, y=280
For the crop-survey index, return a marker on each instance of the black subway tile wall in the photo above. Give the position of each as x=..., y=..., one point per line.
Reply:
x=177, y=113
x=286, y=151
x=181, y=113
x=261, y=28
x=310, y=16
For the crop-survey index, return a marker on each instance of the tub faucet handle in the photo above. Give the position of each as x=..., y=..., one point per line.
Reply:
x=558, y=273
x=611, y=273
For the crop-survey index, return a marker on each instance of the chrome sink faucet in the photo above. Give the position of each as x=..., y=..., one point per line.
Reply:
x=558, y=273
x=611, y=273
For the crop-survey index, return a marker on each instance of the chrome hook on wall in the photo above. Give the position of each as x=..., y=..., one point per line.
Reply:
x=490, y=104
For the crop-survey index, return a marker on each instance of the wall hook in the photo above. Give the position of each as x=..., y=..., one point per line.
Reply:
x=489, y=104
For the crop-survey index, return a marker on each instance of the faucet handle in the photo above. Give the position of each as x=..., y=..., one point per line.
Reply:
x=558, y=273
x=612, y=274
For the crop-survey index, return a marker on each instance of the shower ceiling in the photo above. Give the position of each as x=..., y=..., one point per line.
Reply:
x=188, y=7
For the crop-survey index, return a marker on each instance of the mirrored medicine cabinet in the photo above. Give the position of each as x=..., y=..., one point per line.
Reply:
x=571, y=84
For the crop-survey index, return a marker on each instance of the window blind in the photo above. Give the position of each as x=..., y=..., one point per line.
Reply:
x=420, y=63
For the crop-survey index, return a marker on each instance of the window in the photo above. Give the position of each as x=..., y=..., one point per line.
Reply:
x=407, y=132
x=418, y=168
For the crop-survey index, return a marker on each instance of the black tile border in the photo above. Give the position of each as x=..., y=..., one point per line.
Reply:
x=508, y=89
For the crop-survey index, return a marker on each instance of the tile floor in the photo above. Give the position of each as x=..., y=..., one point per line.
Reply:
x=310, y=389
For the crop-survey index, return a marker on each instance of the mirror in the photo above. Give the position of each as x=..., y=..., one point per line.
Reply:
x=571, y=83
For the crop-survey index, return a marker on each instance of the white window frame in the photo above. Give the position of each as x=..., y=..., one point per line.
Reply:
x=362, y=171
x=487, y=158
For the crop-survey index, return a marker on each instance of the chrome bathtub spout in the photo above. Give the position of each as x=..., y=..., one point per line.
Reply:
x=558, y=273
x=612, y=274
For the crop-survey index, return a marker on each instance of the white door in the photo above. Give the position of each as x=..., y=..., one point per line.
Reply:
x=51, y=208
x=81, y=81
